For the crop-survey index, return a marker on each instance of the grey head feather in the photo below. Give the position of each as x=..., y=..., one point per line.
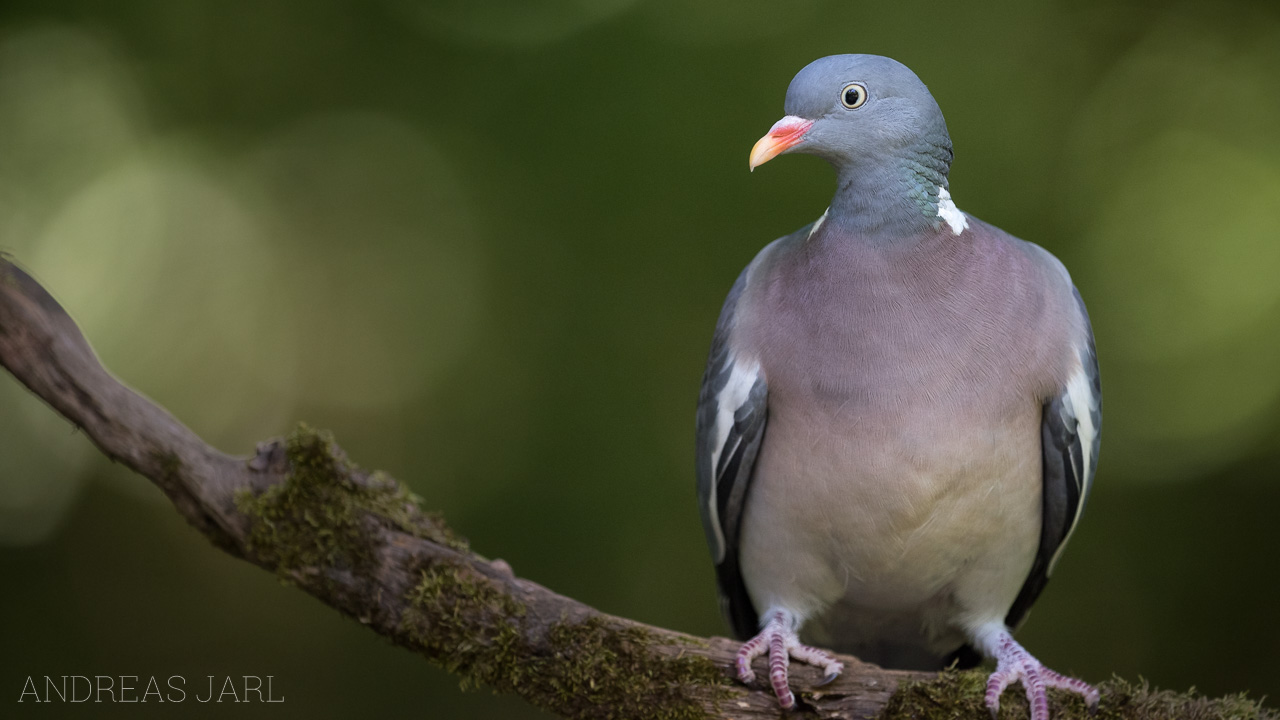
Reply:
x=891, y=154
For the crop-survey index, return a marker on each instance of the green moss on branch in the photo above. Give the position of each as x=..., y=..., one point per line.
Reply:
x=586, y=669
x=955, y=695
x=326, y=511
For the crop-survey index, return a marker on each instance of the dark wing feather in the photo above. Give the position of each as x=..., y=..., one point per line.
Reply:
x=1070, y=433
x=722, y=489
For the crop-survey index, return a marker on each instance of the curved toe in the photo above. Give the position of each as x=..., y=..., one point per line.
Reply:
x=779, y=639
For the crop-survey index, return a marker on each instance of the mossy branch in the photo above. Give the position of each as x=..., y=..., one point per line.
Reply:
x=362, y=543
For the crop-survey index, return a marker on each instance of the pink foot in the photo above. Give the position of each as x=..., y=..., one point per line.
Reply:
x=1015, y=664
x=779, y=637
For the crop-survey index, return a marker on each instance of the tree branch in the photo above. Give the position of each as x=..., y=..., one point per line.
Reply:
x=361, y=543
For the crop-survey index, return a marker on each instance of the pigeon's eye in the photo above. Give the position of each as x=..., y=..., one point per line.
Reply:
x=853, y=95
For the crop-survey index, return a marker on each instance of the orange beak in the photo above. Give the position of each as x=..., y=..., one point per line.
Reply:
x=784, y=135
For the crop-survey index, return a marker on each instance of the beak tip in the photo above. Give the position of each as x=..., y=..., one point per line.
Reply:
x=784, y=135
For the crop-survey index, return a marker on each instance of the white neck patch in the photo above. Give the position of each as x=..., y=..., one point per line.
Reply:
x=948, y=211
x=818, y=224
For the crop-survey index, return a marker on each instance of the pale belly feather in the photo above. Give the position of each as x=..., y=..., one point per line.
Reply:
x=889, y=547
x=896, y=500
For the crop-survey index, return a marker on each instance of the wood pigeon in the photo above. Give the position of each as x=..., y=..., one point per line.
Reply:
x=898, y=425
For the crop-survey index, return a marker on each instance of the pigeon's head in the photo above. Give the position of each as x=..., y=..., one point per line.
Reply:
x=855, y=110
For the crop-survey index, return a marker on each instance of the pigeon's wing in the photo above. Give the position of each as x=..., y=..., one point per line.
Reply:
x=1070, y=433
x=730, y=427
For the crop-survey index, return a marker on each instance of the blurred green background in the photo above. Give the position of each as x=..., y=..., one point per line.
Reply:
x=485, y=242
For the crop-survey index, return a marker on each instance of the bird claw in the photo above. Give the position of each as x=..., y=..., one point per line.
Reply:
x=1015, y=664
x=828, y=679
x=779, y=639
